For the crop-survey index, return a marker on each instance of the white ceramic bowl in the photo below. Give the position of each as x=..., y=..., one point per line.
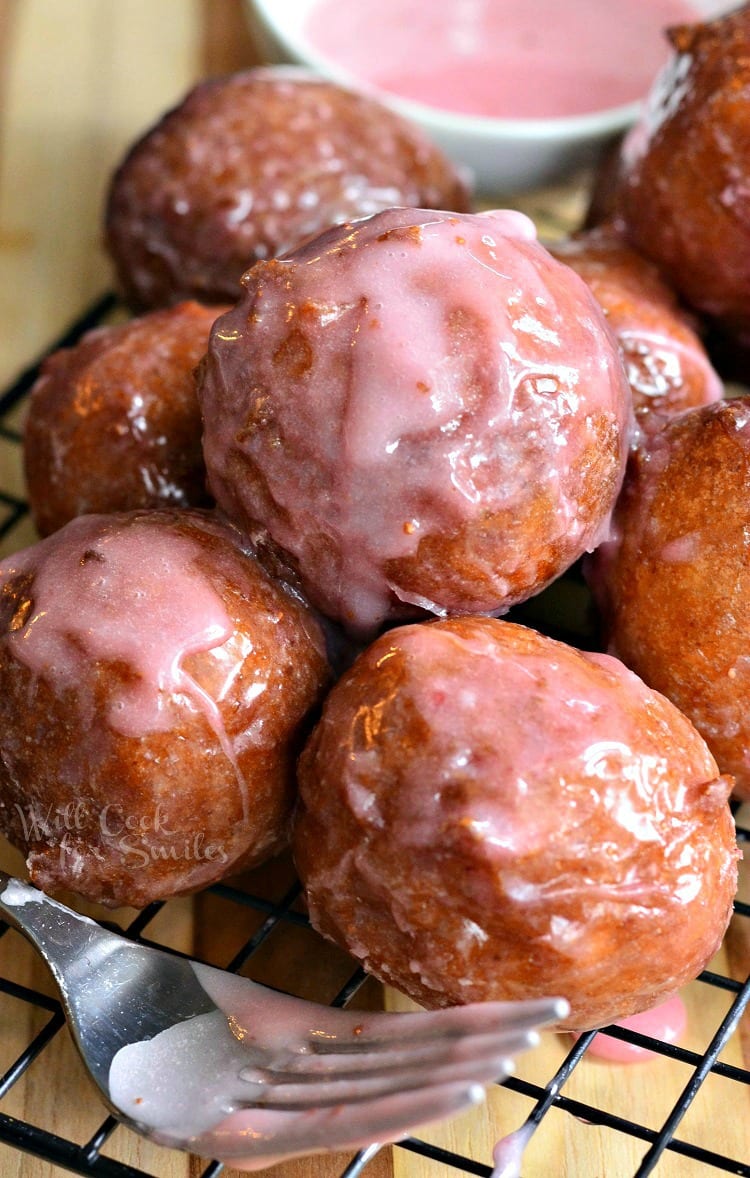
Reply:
x=503, y=155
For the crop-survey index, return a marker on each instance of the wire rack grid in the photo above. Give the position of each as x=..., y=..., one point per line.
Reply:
x=278, y=913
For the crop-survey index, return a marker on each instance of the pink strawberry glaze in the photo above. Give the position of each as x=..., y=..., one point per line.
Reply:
x=134, y=595
x=101, y=594
x=401, y=378
x=515, y=59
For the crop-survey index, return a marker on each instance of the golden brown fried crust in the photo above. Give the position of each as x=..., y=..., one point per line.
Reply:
x=114, y=422
x=683, y=194
x=667, y=366
x=675, y=587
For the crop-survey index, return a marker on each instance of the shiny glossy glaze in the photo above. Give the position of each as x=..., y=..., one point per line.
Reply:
x=90, y=578
x=666, y=363
x=415, y=380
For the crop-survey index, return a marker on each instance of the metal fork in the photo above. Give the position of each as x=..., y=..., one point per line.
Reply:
x=200, y=1059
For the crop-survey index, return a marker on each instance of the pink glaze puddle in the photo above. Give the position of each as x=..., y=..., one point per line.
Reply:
x=667, y=1022
x=518, y=59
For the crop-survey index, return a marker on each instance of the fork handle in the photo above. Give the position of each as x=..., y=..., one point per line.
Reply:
x=65, y=939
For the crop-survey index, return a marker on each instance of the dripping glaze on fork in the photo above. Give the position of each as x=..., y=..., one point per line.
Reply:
x=200, y=1059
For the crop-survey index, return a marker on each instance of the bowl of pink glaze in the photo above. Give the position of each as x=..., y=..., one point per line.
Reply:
x=519, y=93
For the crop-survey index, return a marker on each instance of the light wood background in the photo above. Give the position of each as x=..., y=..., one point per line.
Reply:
x=79, y=79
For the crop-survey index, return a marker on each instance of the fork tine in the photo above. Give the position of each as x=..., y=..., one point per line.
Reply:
x=319, y=1092
x=312, y=1069
x=380, y=1031
x=249, y=1138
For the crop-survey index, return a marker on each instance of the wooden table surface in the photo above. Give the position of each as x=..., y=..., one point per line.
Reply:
x=79, y=79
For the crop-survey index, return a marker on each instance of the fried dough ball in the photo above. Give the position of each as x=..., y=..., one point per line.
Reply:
x=674, y=584
x=486, y=813
x=114, y=422
x=153, y=681
x=249, y=165
x=421, y=410
x=684, y=193
x=666, y=364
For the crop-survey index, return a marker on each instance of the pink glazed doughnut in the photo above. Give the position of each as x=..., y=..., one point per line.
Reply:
x=486, y=814
x=419, y=411
x=153, y=684
x=249, y=165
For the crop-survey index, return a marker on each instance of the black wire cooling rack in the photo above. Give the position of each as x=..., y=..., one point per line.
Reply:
x=279, y=913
